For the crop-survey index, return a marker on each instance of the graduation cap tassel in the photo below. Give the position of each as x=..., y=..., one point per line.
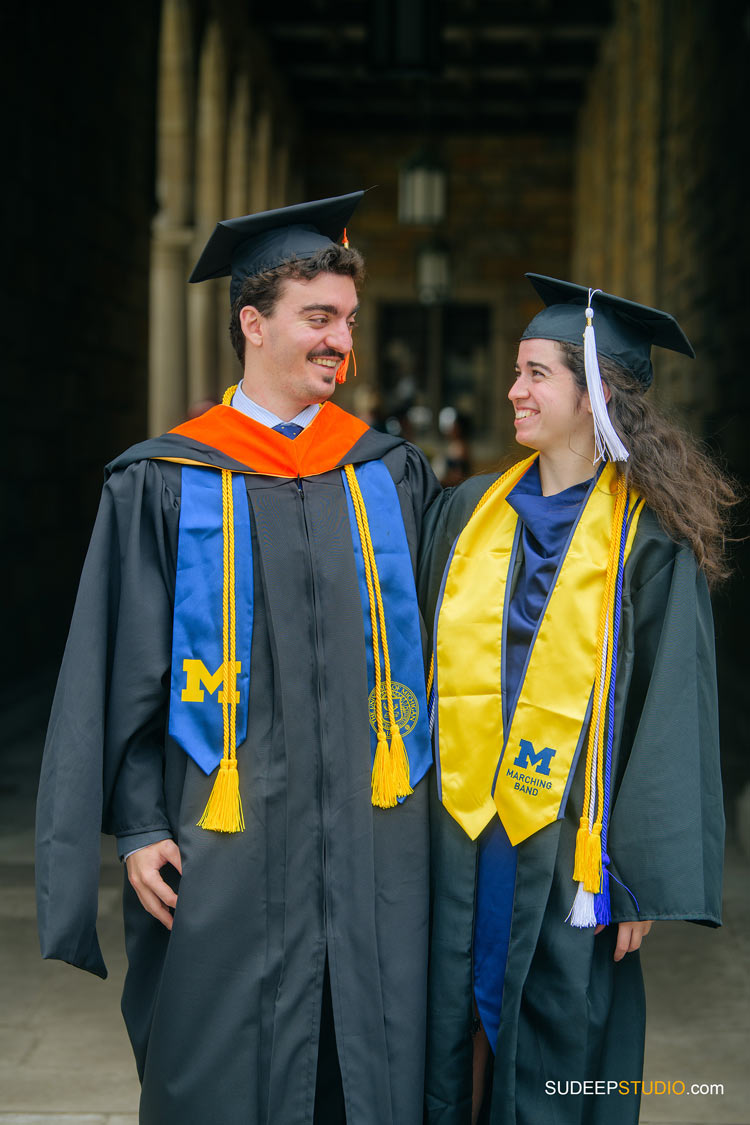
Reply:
x=606, y=442
x=223, y=812
x=343, y=367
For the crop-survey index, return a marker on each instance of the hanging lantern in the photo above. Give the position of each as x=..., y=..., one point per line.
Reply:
x=433, y=273
x=422, y=190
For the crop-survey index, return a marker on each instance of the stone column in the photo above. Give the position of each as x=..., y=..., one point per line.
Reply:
x=239, y=145
x=170, y=235
x=280, y=173
x=210, y=141
x=260, y=183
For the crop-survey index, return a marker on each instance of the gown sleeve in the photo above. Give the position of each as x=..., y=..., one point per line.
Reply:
x=103, y=760
x=667, y=824
x=422, y=488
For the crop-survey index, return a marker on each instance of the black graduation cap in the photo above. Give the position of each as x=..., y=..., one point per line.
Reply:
x=625, y=330
x=253, y=243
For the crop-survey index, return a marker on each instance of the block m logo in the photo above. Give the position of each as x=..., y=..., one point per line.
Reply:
x=198, y=673
x=528, y=757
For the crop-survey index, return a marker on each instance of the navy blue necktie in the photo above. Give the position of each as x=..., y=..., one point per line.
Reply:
x=288, y=429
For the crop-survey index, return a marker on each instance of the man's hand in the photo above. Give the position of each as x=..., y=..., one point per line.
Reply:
x=144, y=867
x=629, y=937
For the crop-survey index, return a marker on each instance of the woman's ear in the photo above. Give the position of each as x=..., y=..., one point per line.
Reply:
x=586, y=401
x=251, y=323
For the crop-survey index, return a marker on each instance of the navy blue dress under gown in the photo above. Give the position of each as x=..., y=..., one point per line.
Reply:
x=546, y=524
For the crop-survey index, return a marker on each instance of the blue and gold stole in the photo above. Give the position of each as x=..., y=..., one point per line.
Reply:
x=212, y=634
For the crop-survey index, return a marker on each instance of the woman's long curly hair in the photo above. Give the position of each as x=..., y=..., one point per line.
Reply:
x=682, y=485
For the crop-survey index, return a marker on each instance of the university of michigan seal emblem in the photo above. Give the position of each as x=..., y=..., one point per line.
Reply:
x=405, y=706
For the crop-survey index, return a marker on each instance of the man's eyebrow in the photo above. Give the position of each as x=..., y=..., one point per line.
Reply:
x=332, y=309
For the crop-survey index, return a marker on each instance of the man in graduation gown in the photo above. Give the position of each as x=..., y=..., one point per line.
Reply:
x=225, y=691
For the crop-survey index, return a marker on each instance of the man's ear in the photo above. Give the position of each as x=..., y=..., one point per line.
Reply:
x=251, y=323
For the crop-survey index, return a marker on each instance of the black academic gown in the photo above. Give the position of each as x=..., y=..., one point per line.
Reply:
x=569, y=1012
x=224, y=1011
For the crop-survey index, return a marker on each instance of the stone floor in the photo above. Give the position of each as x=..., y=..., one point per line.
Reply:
x=65, y=1058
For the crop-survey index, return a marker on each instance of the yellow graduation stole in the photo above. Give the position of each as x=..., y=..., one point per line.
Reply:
x=523, y=773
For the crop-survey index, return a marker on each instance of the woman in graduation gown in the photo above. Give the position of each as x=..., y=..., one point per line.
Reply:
x=578, y=793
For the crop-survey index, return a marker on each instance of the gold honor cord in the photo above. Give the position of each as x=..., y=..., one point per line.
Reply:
x=587, y=867
x=390, y=770
x=223, y=812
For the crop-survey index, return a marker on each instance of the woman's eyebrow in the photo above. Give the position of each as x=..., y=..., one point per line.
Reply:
x=535, y=363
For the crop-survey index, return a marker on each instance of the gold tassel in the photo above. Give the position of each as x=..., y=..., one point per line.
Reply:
x=390, y=768
x=592, y=875
x=587, y=865
x=384, y=794
x=582, y=836
x=223, y=813
x=400, y=764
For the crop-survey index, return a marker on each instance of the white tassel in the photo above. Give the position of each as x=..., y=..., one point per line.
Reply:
x=607, y=443
x=582, y=912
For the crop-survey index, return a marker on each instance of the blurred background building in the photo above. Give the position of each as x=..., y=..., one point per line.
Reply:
x=604, y=142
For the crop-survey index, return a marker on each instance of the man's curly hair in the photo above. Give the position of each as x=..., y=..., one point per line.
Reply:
x=263, y=290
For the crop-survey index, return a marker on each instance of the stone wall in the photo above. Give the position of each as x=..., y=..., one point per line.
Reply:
x=78, y=189
x=660, y=204
x=661, y=216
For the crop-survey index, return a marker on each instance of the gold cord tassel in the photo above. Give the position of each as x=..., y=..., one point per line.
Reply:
x=390, y=769
x=587, y=868
x=592, y=875
x=582, y=835
x=384, y=794
x=223, y=812
x=400, y=764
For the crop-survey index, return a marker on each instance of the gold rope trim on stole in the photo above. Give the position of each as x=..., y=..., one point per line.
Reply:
x=497, y=484
x=223, y=812
x=390, y=771
x=588, y=853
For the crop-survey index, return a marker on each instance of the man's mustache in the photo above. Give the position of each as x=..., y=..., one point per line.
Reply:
x=329, y=352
